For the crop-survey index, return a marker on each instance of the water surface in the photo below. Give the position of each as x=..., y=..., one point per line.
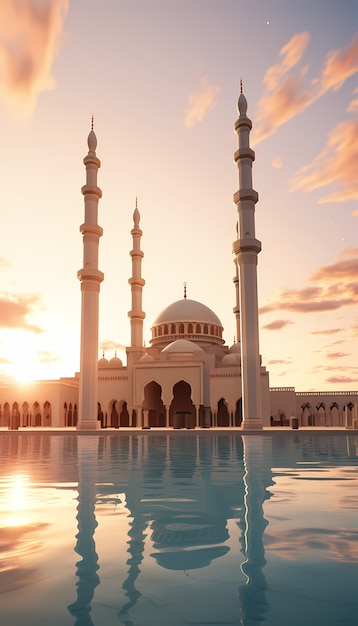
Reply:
x=182, y=528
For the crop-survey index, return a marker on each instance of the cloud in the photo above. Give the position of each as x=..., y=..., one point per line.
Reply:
x=30, y=35
x=337, y=355
x=341, y=379
x=292, y=53
x=277, y=324
x=109, y=344
x=279, y=362
x=333, y=287
x=277, y=163
x=16, y=311
x=200, y=103
x=44, y=356
x=340, y=65
x=337, y=165
x=287, y=94
x=353, y=105
x=4, y=262
x=328, y=331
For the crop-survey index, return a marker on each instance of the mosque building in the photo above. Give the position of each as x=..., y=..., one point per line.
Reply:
x=188, y=377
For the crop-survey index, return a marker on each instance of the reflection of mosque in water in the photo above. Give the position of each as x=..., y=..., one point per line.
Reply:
x=184, y=497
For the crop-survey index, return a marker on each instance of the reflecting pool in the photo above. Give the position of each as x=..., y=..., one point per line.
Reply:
x=182, y=528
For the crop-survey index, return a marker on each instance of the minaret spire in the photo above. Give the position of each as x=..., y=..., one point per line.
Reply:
x=90, y=278
x=246, y=249
x=137, y=283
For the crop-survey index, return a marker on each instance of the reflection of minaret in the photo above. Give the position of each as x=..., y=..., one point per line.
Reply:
x=86, y=523
x=136, y=536
x=90, y=278
x=256, y=480
x=137, y=283
x=246, y=249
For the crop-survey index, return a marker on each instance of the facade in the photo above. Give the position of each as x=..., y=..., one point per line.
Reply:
x=188, y=377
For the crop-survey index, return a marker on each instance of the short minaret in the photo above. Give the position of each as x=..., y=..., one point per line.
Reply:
x=137, y=283
x=90, y=278
x=246, y=248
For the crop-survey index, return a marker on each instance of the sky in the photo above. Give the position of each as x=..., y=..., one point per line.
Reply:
x=162, y=79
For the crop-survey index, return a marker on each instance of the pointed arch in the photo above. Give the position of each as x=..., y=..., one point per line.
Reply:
x=182, y=410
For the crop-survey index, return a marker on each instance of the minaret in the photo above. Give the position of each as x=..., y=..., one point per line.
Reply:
x=137, y=283
x=246, y=248
x=90, y=278
x=236, y=309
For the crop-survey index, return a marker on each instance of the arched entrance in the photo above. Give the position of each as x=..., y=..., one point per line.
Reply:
x=153, y=403
x=223, y=413
x=182, y=410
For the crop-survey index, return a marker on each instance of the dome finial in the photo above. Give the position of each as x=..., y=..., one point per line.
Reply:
x=92, y=122
x=184, y=291
x=240, y=85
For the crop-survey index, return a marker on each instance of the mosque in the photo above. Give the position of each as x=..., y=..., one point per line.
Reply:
x=188, y=377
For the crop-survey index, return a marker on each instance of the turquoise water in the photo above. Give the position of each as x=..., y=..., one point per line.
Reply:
x=182, y=528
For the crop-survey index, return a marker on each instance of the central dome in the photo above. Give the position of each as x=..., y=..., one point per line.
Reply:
x=187, y=311
x=187, y=319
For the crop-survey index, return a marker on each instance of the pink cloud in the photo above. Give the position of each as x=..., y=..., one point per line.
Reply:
x=16, y=311
x=341, y=379
x=334, y=286
x=288, y=94
x=200, y=103
x=30, y=36
x=340, y=65
x=279, y=362
x=277, y=324
x=336, y=355
x=336, y=166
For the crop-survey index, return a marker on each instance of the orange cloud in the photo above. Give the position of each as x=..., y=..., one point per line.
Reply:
x=340, y=65
x=353, y=105
x=334, y=286
x=200, y=103
x=329, y=331
x=30, y=35
x=336, y=165
x=292, y=53
x=16, y=311
x=289, y=94
x=277, y=324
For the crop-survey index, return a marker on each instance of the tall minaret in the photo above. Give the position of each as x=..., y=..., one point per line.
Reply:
x=90, y=278
x=137, y=283
x=246, y=249
x=236, y=309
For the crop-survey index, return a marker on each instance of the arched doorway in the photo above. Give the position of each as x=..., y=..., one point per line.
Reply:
x=153, y=403
x=223, y=414
x=182, y=410
x=36, y=411
x=47, y=414
x=114, y=417
x=124, y=416
x=25, y=414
